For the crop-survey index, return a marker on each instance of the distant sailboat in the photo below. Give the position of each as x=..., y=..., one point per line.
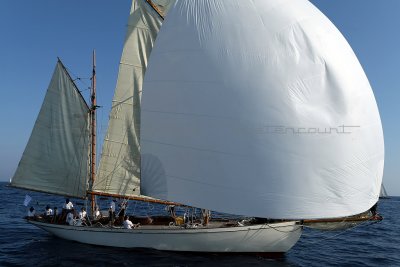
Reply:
x=259, y=109
x=383, y=194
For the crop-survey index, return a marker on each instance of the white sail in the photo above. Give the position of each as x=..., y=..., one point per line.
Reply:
x=55, y=159
x=259, y=108
x=119, y=168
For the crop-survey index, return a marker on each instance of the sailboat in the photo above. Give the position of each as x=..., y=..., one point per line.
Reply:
x=383, y=194
x=259, y=109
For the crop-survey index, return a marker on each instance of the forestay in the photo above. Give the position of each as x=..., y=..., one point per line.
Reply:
x=56, y=157
x=119, y=168
x=259, y=108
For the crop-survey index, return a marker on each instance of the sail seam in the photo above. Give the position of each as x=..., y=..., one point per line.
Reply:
x=182, y=81
x=140, y=28
x=189, y=114
x=132, y=65
x=122, y=102
x=116, y=142
x=194, y=148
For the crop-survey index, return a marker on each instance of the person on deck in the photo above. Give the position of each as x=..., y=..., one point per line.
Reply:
x=68, y=204
x=128, y=224
x=112, y=206
x=54, y=218
x=122, y=210
x=48, y=211
x=67, y=207
x=206, y=214
x=97, y=213
x=70, y=218
x=82, y=214
x=171, y=210
x=111, y=212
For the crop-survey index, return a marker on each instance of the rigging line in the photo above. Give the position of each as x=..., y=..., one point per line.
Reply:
x=77, y=77
x=276, y=228
x=85, y=89
x=109, y=177
x=73, y=83
x=81, y=80
x=120, y=161
x=134, y=208
x=88, y=87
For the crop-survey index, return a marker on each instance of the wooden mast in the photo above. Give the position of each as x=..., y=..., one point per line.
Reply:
x=155, y=8
x=93, y=131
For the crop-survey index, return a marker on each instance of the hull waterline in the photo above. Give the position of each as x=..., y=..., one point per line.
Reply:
x=263, y=238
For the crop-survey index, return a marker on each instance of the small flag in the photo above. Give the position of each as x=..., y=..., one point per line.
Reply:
x=27, y=200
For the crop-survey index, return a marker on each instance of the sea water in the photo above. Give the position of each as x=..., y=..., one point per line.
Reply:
x=21, y=244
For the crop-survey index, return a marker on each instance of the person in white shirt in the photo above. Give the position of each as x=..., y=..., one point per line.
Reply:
x=48, y=211
x=68, y=204
x=128, y=224
x=82, y=214
x=70, y=218
x=67, y=207
x=97, y=214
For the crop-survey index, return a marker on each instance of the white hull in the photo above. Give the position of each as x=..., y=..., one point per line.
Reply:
x=275, y=237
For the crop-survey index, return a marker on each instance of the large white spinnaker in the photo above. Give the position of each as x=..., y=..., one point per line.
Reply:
x=259, y=108
x=119, y=168
x=56, y=157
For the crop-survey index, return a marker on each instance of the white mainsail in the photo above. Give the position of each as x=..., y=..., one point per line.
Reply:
x=56, y=157
x=259, y=108
x=119, y=169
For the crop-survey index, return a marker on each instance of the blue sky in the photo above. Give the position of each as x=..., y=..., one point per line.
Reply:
x=35, y=33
